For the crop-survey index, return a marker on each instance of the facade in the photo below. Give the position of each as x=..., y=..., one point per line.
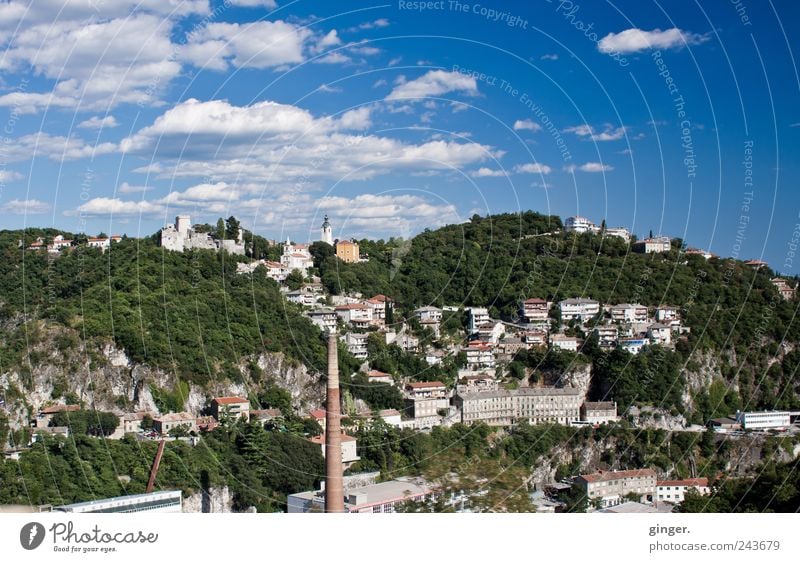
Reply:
x=303, y=297
x=673, y=491
x=607, y=336
x=166, y=423
x=599, y=412
x=535, y=338
x=326, y=232
x=379, y=304
x=296, y=256
x=428, y=314
x=325, y=318
x=182, y=236
x=382, y=497
x=619, y=232
x=491, y=331
x=425, y=399
x=660, y=333
x=535, y=310
x=764, y=420
x=578, y=309
x=231, y=407
x=579, y=224
x=356, y=344
x=477, y=316
x=170, y=501
x=357, y=315
x=653, y=245
x=347, y=251
x=479, y=356
x=629, y=313
x=507, y=407
x=611, y=488
x=349, y=448
x=380, y=376
x=565, y=343
x=667, y=314
x=784, y=289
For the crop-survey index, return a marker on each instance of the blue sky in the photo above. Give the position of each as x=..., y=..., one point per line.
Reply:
x=397, y=117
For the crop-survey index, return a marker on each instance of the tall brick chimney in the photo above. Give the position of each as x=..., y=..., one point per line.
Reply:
x=334, y=492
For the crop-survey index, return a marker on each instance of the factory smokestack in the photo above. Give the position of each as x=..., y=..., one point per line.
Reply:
x=334, y=493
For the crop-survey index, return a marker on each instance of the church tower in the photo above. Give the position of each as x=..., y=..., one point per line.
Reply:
x=326, y=233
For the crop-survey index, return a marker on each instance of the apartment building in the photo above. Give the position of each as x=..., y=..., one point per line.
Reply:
x=626, y=312
x=535, y=310
x=578, y=309
x=426, y=399
x=611, y=488
x=506, y=407
x=674, y=491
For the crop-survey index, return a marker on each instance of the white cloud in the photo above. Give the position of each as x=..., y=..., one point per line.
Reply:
x=8, y=176
x=526, y=125
x=101, y=206
x=608, y=134
x=26, y=207
x=533, y=168
x=381, y=22
x=283, y=145
x=22, y=13
x=125, y=187
x=591, y=167
x=271, y=4
x=549, y=56
x=434, y=83
x=487, y=173
x=261, y=44
x=634, y=40
x=95, y=65
x=95, y=122
x=53, y=147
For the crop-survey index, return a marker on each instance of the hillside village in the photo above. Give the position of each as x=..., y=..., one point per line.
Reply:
x=481, y=351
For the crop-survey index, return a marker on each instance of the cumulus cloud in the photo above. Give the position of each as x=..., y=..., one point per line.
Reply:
x=533, y=168
x=274, y=142
x=634, y=40
x=487, y=173
x=588, y=132
x=271, y=4
x=125, y=187
x=549, y=56
x=8, y=176
x=95, y=65
x=103, y=206
x=526, y=125
x=25, y=207
x=106, y=122
x=434, y=83
x=56, y=148
x=591, y=167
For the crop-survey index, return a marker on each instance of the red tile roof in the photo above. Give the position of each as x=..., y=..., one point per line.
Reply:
x=319, y=413
x=230, y=400
x=60, y=408
x=419, y=385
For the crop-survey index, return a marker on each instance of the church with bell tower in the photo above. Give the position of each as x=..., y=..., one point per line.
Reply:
x=326, y=232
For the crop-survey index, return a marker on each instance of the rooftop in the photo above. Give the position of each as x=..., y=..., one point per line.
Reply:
x=600, y=405
x=550, y=391
x=231, y=400
x=618, y=475
x=423, y=385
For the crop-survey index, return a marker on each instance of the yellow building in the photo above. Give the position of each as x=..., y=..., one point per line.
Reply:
x=347, y=251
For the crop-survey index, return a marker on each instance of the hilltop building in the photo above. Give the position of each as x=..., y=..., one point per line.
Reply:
x=652, y=245
x=326, y=232
x=296, y=256
x=183, y=236
x=507, y=407
x=347, y=251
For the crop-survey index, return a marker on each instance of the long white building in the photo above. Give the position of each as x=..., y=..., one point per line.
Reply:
x=507, y=407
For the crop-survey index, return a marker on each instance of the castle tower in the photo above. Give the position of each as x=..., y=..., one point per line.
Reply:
x=334, y=492
x=182, y=224
x=326, y=232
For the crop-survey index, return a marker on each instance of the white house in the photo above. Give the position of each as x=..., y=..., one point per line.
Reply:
x=325, y=318
x=357, y=315
x=579, y=309
x=534, y=310
x=659, y=333
x=380, y=376
x=429, y=314
x=566, y=343
x=356, y=344
x=535, y=338
x=296, y=256
x=652, y=245
x=491, y=331
x=302, y=297
x=579, y=224
x=674, y=491
x=619, y=232
x=479, y=356
x=477, y=316
x=626, y=312
x=607, y=336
